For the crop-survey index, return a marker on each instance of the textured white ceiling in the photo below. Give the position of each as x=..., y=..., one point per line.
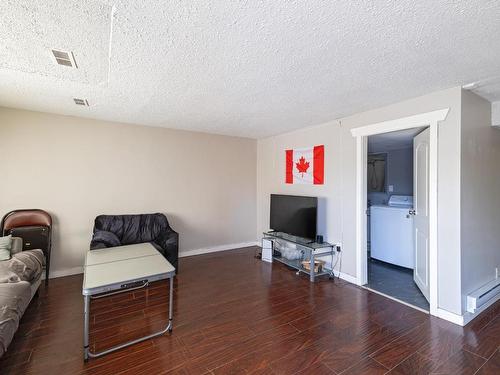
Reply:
x=246, y=68
x=488, y=88
x=30, y=32
x=393, y=140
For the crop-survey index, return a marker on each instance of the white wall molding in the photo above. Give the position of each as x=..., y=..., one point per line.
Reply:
x=337, y=273
x=346, y=277
x=423, y=119
x=183, y=254
x=214, y=249
x=361, y=204
x=64, y=272
x=449, y=316
x=467, y=317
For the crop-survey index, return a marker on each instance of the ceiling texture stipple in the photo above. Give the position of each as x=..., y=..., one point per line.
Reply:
x=243, y=68
x=393, y=141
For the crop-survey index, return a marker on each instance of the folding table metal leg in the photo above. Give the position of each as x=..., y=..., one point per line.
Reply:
x=171, y=304
x=88, y=354
x=86, y=320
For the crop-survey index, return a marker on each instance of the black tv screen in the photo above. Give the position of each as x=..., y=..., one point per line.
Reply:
x=295, y=215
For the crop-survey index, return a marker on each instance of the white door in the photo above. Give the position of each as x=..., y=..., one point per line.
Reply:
x=421, y=210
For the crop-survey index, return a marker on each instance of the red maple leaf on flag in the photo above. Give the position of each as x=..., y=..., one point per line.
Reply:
x=302, y=166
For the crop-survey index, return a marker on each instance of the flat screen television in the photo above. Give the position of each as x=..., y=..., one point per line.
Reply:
x=295, y=215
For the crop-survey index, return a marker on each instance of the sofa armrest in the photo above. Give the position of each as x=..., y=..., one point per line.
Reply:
x=169, y=242
x=102, y=239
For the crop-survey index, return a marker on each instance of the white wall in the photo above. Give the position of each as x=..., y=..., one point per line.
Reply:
x=78, y=168
x=480, y=203
x=399, y=173
x=338, y=193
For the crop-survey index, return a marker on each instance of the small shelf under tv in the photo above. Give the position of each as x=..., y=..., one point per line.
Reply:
x=297, y=264
x=311, y=250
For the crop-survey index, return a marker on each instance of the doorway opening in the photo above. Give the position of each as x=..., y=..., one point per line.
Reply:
x=427, y=119
x=396, y=171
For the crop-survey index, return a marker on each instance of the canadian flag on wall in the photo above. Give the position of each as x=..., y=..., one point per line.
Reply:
x=305, y=165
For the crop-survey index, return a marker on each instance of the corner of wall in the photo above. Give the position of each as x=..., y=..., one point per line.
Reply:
x=480, y=151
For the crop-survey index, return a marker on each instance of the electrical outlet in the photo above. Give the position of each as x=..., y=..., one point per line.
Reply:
x=391, y=188
x=338, y=248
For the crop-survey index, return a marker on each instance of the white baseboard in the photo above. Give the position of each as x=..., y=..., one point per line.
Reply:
x=214, y=249
x=65, y=272
x=467, y=317
x=344, y=276
x=349, y=278
x=449, y=316
x=188, y=253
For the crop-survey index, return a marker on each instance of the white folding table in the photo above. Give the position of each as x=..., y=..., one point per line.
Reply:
x=122, y=269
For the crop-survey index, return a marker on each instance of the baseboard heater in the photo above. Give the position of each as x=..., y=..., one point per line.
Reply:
x=482, y=295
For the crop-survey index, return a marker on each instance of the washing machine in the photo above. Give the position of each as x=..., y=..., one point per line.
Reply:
x=391, y=231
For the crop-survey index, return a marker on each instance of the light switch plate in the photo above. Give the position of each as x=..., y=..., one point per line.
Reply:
x=391, y=188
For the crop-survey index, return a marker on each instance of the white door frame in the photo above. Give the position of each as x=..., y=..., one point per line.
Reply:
x=430, y=119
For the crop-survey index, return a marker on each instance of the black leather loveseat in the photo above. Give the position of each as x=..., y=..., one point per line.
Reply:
x=118, y=230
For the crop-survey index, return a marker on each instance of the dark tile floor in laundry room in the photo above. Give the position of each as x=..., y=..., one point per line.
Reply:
x=396, y=282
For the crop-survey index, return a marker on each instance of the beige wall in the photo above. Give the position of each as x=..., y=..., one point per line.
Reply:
x=77, y=169
x=480, y=203
x=337, y=196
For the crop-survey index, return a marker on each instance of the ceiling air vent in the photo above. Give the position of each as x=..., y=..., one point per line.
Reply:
x=65, y=58
x=83, y=102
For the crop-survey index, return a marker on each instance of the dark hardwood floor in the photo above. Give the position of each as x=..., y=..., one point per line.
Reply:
x=237, y=315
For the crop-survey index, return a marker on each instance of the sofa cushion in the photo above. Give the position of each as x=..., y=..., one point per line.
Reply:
x=132, y=229
x=5, y=246
x=23, y=266
x=107, y=239
x=14, y=298
x=120, y=230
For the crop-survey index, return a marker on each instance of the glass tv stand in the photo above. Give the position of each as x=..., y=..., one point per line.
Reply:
x=310, y=250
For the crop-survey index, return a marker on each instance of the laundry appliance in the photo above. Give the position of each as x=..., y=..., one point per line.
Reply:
x=391, y=231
